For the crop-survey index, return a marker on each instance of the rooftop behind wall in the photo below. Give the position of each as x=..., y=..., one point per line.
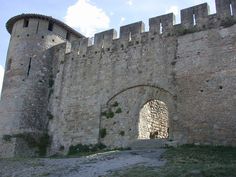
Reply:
x=193, y=19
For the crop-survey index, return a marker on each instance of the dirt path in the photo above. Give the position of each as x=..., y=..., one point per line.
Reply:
x=91, y=166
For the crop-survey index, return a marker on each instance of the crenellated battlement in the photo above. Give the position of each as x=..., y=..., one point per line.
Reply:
x=193, y=19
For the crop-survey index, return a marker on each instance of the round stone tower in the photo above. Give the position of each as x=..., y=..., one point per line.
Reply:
x=28, y=77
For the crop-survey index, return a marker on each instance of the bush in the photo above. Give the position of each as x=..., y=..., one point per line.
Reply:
x=115, y=104
x=118, y=111
x=41, y=142
x=80, y=149
x=108, y=114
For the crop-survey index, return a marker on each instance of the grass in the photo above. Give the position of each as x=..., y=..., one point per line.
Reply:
x=138, y=171
x=188, y=161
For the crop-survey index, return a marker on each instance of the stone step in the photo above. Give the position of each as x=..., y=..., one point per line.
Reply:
x=148, y=144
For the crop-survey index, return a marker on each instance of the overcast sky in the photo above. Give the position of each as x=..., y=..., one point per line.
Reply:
x=90, y=16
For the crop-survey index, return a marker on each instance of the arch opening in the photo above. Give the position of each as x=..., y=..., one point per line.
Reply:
x=153, y=121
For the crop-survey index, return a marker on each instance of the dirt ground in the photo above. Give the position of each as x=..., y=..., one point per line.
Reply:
x=96, y=165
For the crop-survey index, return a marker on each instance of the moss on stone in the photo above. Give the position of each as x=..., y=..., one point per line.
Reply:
x=183, y=31
x=41, y=143
x=6, y=138
x=50, y=81
x=80, y=149
x=122, y=133
x=108, y=114
x=118, y=110
x=103, y=132
x=228, y=22
x=49, y=115
x=115, y=104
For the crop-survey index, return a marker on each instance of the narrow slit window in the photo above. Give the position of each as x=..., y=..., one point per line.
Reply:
x=68, y=36
x=26, y=23
x=37, y=29
x=231, y=9
x=194, y=20
x=130, y=37
x=9, y=64
x=50, y=26
x=29, y=67
x=161, y=28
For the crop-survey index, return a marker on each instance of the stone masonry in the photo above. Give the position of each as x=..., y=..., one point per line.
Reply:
x=60, y=87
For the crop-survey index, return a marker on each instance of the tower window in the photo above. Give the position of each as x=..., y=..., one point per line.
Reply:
x=29, y=66
x=50, y=26
x=26, y=23
x=9, y=64
x=68, y=36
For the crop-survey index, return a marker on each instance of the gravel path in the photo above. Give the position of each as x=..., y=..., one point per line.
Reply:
x=91, y=166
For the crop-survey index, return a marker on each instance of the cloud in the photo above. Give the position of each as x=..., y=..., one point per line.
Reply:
x=1, y=77
x=176, y=11
x=88, y=18
x=129, y=2
x=173, y=9
x=122, y=19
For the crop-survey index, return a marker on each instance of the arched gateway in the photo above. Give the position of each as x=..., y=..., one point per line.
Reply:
x=138, y=112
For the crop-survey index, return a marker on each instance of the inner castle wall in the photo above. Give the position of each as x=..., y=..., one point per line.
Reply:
x=191, y=67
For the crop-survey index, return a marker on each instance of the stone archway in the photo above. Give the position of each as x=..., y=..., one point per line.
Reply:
x=153, y=120
x=120, y=117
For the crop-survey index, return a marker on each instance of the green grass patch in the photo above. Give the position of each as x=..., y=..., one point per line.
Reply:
x=188, y=161
x=138, y=171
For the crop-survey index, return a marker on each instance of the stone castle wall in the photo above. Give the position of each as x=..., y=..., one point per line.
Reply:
x=190, y=67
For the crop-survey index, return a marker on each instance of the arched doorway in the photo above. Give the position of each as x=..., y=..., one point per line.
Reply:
x=153, y=120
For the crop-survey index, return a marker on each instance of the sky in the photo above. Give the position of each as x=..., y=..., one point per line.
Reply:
x=90, y=16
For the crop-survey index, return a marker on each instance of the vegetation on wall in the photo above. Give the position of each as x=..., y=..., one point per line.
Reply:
x=115, y=104
x=103, y=132
x=112, y=110
x=81, y=149
x=108, y=114
x=118, y=110
x=51, y=81
x=122, y=133
x=33, y=141
x=7, y=138
x=229, y=21
x=184, y=31
x=49, y=115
